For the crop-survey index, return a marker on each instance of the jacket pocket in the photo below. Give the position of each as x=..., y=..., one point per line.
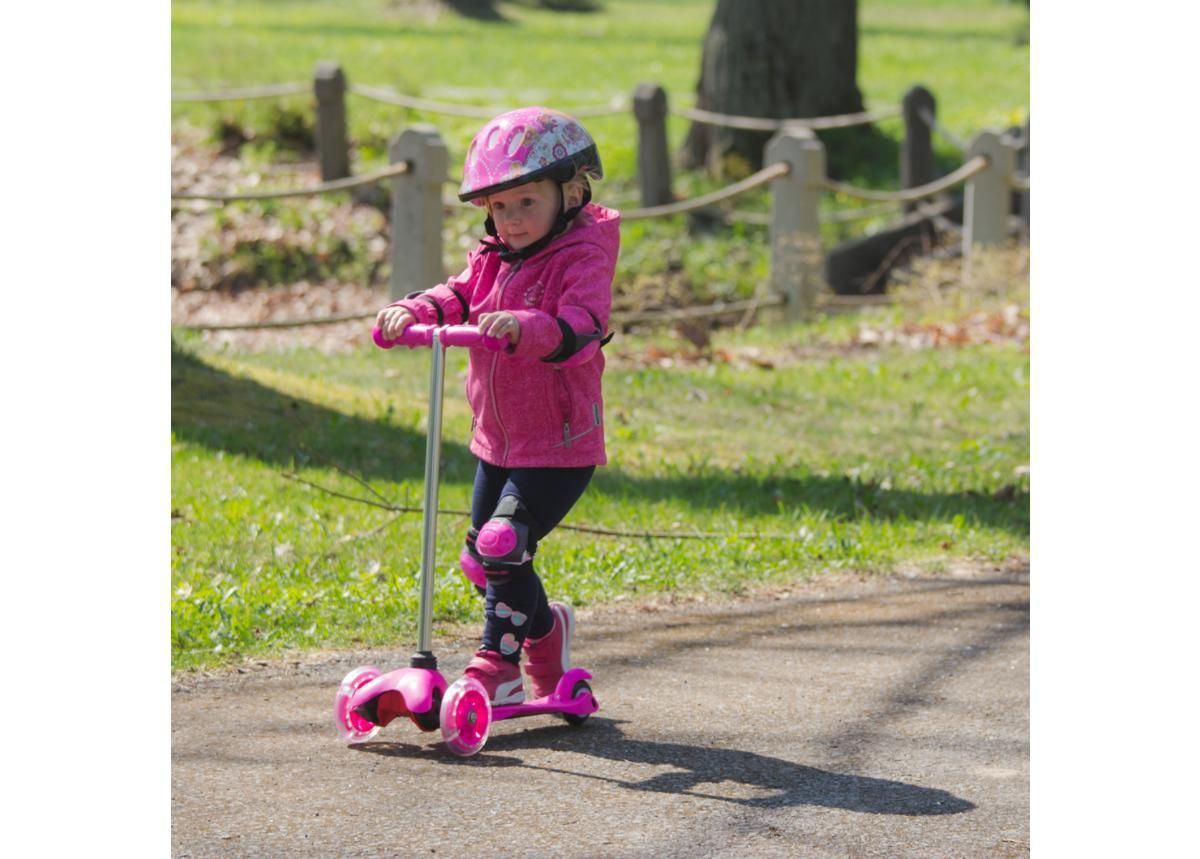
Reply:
x=564, y=403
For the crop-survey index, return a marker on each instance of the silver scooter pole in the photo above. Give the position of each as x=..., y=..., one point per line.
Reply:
x=424, y=657
x=438, y=338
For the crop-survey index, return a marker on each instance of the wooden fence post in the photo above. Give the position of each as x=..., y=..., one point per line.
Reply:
x=916, y=151
x=330, y=86
x=987, y=200
x=797, y=259
x=417, y=210
x=654, y=166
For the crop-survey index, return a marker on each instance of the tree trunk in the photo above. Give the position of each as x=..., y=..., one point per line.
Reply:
x=778, y=59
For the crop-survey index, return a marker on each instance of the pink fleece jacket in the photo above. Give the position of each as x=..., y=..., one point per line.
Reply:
x=530, y=412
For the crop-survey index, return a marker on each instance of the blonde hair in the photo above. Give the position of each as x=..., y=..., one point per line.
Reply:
x=578, y=181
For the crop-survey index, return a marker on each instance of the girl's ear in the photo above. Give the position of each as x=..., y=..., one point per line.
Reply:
x=572, y=194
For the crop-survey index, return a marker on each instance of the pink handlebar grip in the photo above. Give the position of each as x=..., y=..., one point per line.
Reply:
x=451, y=335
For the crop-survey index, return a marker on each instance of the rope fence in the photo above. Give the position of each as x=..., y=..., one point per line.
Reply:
x=283, y=323
x=650, y=109
x=245, y=93
x=754, y=123
x=762, y=177
x=386, y=95
x=794, y=170
x=720, y=308
x=617, y=318
x=762, y=219
x=931, y=120
x=910, y=195
x=747, y=307
x=324, y=188
x=389, y=96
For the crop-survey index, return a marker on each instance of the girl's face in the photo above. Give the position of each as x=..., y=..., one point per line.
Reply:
x=524, y=214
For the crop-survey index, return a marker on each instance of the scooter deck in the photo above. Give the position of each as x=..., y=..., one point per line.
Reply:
x=559, y=701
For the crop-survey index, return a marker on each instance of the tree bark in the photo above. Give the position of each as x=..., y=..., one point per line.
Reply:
x=778, y=59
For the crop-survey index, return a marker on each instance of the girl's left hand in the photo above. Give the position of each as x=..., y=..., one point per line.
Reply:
x=500, y=324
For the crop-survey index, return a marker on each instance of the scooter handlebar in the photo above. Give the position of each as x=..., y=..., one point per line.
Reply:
x=451, y=335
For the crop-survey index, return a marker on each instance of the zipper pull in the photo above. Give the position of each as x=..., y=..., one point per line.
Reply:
x=566, y=434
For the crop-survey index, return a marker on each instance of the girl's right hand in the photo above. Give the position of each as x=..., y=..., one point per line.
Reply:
x=392, y=321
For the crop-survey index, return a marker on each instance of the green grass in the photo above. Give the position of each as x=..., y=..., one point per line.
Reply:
x=859, y=463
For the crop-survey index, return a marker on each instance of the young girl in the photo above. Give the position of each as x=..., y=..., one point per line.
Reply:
x=543, y=281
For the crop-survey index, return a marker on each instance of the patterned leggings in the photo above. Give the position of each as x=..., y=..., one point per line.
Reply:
x=516, y=604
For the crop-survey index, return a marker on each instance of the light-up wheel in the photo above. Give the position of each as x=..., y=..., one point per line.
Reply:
x=466, y=716
x=351, y=727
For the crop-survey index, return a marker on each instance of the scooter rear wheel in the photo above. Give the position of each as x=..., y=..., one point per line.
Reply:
x=580, y=688
x=466, y=716
x=351, y=727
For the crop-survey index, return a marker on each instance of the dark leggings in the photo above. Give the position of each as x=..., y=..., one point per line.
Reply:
x=516, y=594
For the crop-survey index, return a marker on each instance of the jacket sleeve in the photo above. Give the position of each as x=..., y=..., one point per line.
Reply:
x=574, y=333
x=447, y=303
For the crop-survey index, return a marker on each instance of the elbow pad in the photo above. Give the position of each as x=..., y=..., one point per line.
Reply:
x=577, y=348
x=421, y=295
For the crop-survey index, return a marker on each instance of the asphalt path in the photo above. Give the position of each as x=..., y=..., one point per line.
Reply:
x=842, y=717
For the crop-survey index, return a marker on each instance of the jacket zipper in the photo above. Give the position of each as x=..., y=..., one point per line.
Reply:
x=496, y=361
x=566, y=406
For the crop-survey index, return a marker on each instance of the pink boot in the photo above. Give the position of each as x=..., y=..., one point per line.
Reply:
x=550, y=656
x=501, y=678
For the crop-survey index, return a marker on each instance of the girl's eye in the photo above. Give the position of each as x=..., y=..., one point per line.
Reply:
x=527, y=202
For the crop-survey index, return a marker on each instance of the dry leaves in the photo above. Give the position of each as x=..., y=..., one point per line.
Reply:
x=235, y=246
x=1010, y=324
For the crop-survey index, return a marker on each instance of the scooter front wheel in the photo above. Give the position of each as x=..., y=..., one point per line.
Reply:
x=466, y=716
x=351, y=727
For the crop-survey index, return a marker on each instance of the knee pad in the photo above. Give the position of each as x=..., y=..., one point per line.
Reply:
x=471, y=564
x=503, y=541
x=472, y=569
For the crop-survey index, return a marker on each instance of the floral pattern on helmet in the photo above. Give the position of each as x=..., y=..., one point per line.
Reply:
x=521, y=142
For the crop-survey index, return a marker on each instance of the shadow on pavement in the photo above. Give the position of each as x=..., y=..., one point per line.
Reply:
x=788, y=784
x=784, y=783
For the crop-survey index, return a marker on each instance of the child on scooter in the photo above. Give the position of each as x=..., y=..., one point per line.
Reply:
x=544, y=282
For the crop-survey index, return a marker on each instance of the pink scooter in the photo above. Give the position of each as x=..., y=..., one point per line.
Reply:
x=367, y=699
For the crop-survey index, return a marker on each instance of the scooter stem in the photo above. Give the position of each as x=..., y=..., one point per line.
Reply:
x=433, y=457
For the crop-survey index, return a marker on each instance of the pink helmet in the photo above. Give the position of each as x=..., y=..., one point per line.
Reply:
x=524, y=145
